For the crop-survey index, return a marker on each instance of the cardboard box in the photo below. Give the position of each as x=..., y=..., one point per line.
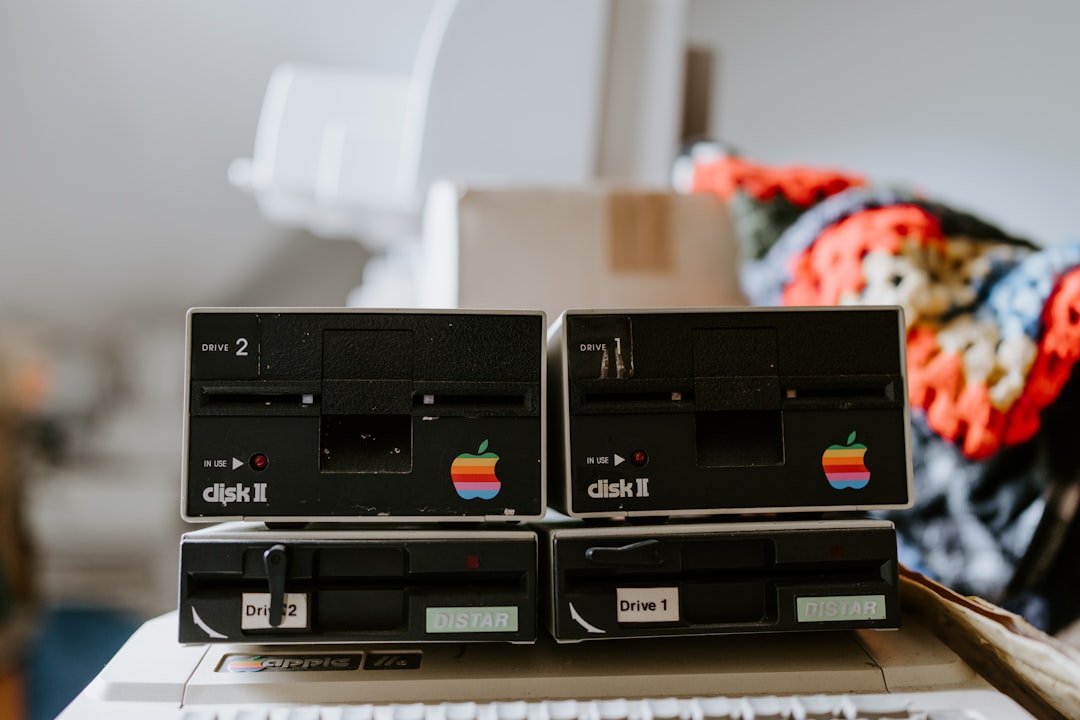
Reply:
x=557, y=248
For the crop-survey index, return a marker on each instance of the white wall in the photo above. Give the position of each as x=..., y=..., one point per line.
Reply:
x=974, y=101
x=118, y=119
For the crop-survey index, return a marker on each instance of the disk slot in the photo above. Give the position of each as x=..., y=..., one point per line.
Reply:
x=475, y=398
x=446, y=403
x=588, y=582
x=509, y=582
x=841, y=393
x=650, y=396
x=212, y=399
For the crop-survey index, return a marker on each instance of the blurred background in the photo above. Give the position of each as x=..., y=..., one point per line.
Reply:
x=132, y=187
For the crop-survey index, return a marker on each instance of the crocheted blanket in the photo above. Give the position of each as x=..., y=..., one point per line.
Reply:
x=993, y=336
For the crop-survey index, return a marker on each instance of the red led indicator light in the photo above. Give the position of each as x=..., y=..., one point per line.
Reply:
x=472, y=562
x=259, y=461
x=639, y=458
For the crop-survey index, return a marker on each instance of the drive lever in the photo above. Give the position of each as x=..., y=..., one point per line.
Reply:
x=645, y=552
x=276, y=570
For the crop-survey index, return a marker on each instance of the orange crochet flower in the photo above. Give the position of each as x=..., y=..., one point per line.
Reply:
x=802, y=185
x=832, y=266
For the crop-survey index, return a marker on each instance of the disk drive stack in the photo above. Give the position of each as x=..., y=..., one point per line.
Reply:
x=385, y=476
x=789, y=423
x=369, y=462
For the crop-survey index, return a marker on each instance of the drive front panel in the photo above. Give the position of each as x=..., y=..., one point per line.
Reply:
x=343, y=415
x=245, y=583
x=762, y=410
x=611, y=582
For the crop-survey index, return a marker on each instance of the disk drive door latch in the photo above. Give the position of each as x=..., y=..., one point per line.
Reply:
x=646, y=553
x=276, y=571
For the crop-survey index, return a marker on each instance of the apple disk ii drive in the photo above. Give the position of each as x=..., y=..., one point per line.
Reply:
x=623, y=580
x=241, y=582
x=303, y=415
x=728, y=411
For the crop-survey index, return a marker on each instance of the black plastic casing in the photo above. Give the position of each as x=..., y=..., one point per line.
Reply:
x=728, y=411
x=611, y=582
x=375, y=584
x=301, y=415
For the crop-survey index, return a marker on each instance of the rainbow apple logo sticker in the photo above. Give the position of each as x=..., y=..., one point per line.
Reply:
x=845, y=465
x=474, y=475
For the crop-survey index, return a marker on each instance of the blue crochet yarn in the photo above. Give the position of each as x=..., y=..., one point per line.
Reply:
x=1017, y=300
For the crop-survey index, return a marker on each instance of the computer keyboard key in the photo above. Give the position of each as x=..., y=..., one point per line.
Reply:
x=563, y=709
x=459, y=711
x=250, y=714
x=410, y=711
x=664, y=708
x=767, y=707
x=199, y=715
x=304, y=713
x=358, y=712
x=514, y=710
x=715, y=708
x=815, y=707
x=617, y=709
x=873, y=707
